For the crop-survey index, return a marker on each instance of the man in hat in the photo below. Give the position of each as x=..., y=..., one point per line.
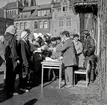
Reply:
x=88, y=50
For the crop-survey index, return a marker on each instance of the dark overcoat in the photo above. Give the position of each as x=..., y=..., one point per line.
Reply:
x=89, y=46
x=25, y=53
x=11, y=58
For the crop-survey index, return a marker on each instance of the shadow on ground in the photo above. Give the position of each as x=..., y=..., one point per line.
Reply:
x=31, y=102
x=4, y=96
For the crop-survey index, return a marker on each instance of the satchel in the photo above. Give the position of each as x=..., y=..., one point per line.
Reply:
x=1, y=60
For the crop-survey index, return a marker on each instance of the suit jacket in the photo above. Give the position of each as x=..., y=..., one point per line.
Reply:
x=68, y=52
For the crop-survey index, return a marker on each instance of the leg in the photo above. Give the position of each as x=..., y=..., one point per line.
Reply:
x=66, y=76
x=92, y=71
x=70, y=75
x=49, y=74
x=42, y=79
x=60, y=75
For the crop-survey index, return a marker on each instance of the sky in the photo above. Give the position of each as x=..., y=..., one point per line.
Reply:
x=4, y=2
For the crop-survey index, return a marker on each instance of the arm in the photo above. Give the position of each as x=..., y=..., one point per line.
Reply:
x=65, y=46
x=80, y=49
x=91, y=48
x=13, y=47
x=62, y=48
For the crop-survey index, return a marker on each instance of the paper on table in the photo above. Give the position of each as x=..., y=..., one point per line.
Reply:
x=50, y=59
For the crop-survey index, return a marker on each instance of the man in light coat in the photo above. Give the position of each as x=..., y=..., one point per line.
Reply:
x=69, y=57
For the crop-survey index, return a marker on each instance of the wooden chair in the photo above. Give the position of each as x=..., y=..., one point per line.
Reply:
x=82, y=72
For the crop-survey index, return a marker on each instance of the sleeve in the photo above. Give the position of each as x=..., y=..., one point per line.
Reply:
x=65, y=46
x=24, y=55
x=91, y=48
x=13, y=46
x=33, y=47
x=80, y=49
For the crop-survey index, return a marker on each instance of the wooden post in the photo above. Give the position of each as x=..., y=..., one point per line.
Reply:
x=98, y=39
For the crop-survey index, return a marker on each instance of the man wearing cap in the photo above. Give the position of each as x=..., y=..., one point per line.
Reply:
x=88, y=50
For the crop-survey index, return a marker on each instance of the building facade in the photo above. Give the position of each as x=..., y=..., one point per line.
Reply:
x=64, y=18
x=36, y=18
x=74, y=16
x=12, y=9
x=4, y=22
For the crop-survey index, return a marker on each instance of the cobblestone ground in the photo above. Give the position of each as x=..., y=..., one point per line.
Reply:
x=51, y=95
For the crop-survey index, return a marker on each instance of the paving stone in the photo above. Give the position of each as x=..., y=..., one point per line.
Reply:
x=51, y=95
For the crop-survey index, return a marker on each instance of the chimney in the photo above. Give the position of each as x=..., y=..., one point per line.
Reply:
x=5, y=13
x=17, y=3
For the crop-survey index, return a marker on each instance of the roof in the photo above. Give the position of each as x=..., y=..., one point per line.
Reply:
x=39, y=7
x=12, y=5
x=29, y=8
x=58, y=4
x=86, y=1
x=45, y=6
x=33, y=18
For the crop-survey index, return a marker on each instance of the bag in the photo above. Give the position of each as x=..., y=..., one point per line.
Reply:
x=1, y=60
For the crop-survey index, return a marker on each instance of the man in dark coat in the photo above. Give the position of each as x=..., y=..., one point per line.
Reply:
x=88, y=50
x=11, y=57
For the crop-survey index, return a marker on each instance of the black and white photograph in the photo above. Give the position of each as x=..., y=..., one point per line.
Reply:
x=53, y=52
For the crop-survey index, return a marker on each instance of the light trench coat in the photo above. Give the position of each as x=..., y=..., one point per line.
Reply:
x=68, y=52
x=79, y=50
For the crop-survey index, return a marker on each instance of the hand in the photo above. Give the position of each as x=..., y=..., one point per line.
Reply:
x=18, y=62
x=39, y=49
x=60, y=58
x=51, y=48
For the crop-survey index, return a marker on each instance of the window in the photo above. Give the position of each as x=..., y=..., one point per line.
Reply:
x=25, y=25
x=47, y=12
x=58, y=9
x=39, y=13
x=14, y=12
x=41, y=24
x=45, y=24
x=68, y=22
x=65, y=6
x=43, y=12
x=21, y=25
x=60, y=22
x=35, y=25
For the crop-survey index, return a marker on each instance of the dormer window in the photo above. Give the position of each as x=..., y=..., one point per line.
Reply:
x=65, y=5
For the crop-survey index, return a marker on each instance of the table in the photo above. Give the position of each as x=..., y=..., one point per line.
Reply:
x=51, y=65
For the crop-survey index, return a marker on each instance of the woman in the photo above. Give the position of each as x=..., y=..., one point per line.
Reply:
x=79, y=50
x=25, y=56
x=11, y=57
